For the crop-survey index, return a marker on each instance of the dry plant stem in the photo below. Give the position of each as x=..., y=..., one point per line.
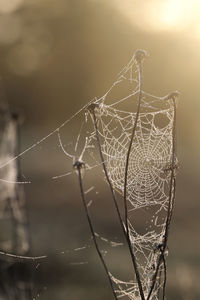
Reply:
x=129, y=148
x=92, y=230
x=165, y=277
x=159, y=283
x=170, y=207
x=117, y=208
x=126, y=179
x=106, y=172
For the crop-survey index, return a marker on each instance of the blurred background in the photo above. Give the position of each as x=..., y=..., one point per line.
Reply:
x=55, y=56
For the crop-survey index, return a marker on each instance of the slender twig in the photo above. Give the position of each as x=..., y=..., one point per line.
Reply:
x=172, y=96
x=130, y=147
x=92, y=110
x=165, y=277
x=79, y=165
x=159, y=284
x=139, y=57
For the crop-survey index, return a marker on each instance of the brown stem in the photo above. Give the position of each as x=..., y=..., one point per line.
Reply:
x=165, y=277
x=171, y=198
x=126, y=177
x=79, y=165
x=116, y=205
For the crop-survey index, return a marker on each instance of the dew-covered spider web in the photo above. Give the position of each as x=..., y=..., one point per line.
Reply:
x=150, y=187
x=149, y=180
x=149, y=160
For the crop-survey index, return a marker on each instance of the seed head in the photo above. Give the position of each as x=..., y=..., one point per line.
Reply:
x=140, y=55
x=78, y=165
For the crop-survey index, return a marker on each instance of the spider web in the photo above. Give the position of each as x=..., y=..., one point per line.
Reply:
x=149, y=169
x=149, y=160
x=149, y=176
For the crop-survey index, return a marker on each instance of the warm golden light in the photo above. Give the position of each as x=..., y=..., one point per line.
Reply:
x=173, y=14
x=8, y=6
x=157, y=15
x=177, y=13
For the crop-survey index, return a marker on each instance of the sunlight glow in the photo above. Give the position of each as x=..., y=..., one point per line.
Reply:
x=176, y=13
x=157, y=15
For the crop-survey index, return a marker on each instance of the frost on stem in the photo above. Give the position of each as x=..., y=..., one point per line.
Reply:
x=174, y=96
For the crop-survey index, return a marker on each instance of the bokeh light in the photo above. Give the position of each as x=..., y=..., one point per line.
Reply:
x=10, y=6
x=28, y=55
x=10, y=28
x=156, y=15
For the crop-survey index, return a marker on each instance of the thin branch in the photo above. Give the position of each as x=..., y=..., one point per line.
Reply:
x=139, y=57
x=172, y=189
x=92, y=111
x=159, y=284
x=79, y=165
x=165, y=277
